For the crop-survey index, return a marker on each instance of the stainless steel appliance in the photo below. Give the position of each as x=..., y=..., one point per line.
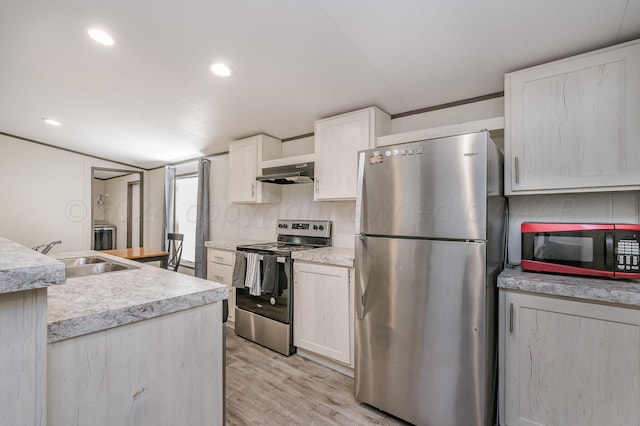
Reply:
x=592, y=249
x=430, y=244
x=267, y=318
x=104, y=236
x=288, y=174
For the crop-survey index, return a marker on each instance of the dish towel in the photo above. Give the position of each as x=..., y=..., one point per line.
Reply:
x=270, y=274
x=274, y=278
x=281, y=283
x=252, y=278
x=239, y=270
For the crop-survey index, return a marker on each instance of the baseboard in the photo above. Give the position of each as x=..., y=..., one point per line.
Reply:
x=319, y=359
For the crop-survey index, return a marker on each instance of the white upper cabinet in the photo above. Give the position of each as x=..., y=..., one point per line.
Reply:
x=574, y=125
x=245, y=164
x=337, y=142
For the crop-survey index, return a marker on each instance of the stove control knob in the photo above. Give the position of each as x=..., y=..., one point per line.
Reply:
x=321, y=227
x=315, y=227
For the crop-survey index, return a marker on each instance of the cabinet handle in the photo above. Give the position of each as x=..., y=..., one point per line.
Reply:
x=517, y=170
x=218, y=257
x=317, y=185
x=218, y=277
x=511, y=318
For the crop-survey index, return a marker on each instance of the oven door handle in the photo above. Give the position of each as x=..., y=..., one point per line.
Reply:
x=280, y=259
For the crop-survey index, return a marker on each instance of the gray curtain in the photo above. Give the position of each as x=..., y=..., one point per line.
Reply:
x=168, y=219
x=202, y=218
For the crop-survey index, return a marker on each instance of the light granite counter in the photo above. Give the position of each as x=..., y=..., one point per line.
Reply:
x=99, y=302
x=231, y=245
x=337, y=256
x=22, y=268
x=624, y=292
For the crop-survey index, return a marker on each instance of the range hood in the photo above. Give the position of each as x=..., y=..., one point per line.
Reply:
x=287, y=171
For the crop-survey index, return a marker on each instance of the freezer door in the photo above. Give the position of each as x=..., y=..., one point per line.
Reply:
x=421, y=332
x=435, y=188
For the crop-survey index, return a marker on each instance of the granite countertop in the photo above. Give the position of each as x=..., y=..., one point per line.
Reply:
x=337, y=256
x=624, y=292
x=230, y=244
x=98, y=302
x=22, y=268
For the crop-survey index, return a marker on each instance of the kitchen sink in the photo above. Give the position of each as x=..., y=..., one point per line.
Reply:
x=85, y=260
x=92, y=265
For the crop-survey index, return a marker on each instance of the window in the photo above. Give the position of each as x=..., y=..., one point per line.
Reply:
x=186, y=201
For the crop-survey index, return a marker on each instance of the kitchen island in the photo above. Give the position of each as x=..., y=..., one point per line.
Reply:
x=132, y=347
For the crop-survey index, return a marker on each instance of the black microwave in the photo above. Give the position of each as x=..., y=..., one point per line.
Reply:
x=599, y=250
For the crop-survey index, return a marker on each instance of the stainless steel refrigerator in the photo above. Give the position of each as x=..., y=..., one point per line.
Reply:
x=430, y=222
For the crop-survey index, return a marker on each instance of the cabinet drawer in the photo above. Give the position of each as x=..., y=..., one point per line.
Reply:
x=221, y=256
x=220, y=273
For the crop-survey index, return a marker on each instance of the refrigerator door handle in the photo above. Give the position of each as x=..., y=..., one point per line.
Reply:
x=359, y=297
x=360, y=279
x=360, y=183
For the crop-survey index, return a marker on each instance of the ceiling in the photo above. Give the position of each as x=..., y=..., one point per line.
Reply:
x=150, y=99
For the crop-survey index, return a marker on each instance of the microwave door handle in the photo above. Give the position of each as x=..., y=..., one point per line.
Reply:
x=609, y=254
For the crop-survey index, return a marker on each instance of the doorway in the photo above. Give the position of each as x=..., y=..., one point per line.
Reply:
x=133, y=214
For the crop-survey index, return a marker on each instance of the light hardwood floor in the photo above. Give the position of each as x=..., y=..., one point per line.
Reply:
x=266, y=388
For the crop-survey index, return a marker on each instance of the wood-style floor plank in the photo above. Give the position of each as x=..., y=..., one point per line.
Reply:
x=266, y=388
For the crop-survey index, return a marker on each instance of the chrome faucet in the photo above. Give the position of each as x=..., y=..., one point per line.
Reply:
x=47, y=247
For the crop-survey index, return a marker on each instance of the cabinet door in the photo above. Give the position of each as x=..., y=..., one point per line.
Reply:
x=323, y=311
x=220, y=270
x=570, y=363
x=574, y=124
x=337, y=142
x=243, y=169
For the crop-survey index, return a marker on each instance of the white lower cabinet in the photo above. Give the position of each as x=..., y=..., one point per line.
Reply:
x=323, y=310
x=220, y=269
x=568, y=362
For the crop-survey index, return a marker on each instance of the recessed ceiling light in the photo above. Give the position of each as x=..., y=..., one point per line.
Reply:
x=52, y=122
x=101, y=36
x=221, y=70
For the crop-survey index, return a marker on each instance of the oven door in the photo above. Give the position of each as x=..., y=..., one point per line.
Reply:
x=277, y=307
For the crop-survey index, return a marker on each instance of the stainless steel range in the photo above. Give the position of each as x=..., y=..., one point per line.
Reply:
x=264, y=287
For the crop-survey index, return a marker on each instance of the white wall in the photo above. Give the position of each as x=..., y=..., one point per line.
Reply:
x=99, y=208
x=153, y=198
x=46, y=195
